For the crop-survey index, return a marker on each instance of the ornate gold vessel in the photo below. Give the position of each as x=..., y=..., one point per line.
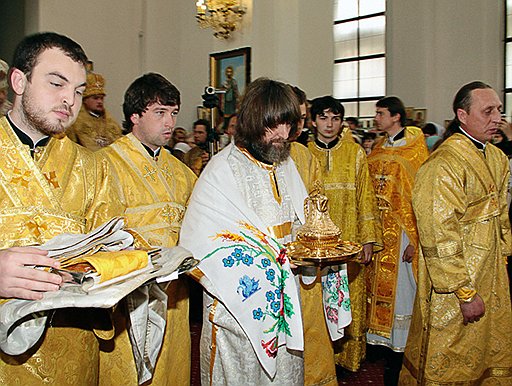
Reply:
x=319, y=239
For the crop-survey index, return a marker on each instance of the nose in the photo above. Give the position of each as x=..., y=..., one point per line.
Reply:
x=170, y=120
x=283, y=131
x=69, y=96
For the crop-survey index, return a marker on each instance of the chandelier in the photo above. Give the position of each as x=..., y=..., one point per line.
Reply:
x=222, y=16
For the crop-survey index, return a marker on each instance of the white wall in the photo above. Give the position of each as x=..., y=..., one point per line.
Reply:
x=433, y=47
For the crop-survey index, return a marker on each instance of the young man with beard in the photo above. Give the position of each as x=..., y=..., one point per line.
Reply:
x=353, y=208
x=155, y=189
x=241, y=213
x=94, y=128
x=50, y=185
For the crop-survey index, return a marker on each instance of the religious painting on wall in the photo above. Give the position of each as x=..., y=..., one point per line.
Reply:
x=230, y=72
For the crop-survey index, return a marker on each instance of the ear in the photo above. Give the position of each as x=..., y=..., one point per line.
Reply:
x=135, y=119
x=313, y=122
x=462, y=116
x=18, y=81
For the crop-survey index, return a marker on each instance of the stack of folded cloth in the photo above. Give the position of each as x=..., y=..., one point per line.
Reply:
x=99, y=269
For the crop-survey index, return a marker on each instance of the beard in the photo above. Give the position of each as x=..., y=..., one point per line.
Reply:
x=35, y=118
x=275, y=151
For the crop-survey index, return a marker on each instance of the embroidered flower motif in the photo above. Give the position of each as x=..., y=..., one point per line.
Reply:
x=281, y=259
x=248, y=286
x=270, y=347
x=247, y=260
x=237, y=254
x=276, y=306
x=271, y=274
x=265, y=262
x=228, y=261
x=257, y=314
x=270, y=296
x=332, y=314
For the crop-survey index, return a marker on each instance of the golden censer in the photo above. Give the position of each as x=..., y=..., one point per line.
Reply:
x=318, y=241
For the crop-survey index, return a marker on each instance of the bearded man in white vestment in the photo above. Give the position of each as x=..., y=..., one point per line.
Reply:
x=243, y=210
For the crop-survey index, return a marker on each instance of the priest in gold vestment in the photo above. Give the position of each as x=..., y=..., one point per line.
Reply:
x=353, y=208
x=391, y=283
x=94, y=128
x=155, y=190
x=462, y=320
x=319, y=368
x=49, y=186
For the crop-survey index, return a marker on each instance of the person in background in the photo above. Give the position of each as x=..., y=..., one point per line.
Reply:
x=94, y=127
x=353, y=208
x=198, y=156
x=391, y=283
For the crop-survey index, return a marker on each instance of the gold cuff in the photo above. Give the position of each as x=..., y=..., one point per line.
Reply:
x=465, y=295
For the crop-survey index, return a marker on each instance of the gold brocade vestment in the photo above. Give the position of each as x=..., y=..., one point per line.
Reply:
x=393, y=171
x=353, y=208
x=460, y=201
x=65, y=188
x=154, y=194
x=94, y=132
x=319, y=366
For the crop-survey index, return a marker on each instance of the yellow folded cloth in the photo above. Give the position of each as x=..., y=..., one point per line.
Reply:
x=113, y=264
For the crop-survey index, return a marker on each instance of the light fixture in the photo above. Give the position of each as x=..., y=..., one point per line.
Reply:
x=223, y=16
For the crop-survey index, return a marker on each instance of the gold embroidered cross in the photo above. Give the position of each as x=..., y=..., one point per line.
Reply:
x=150, y=173
x=21, y=177
x=171, y=215
x=36, y=228
x=51, y=177
x=165, y=169
x=167, y=213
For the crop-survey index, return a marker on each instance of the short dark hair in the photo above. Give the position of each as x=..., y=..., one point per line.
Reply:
x=429, y=129
x=320, y=104
x=352, y=120
x=202, y=122
x=266, y=104
x=146, y=90
x=395, y=106
x=28, y=50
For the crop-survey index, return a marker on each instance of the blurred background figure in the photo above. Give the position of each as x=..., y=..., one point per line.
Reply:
x=5, y=105
x=178, y=145
x=368, y=142
x=430, y=132
x=198, y=156
x=229, y=131
x=94, y=127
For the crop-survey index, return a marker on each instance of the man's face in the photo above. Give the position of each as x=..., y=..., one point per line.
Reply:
x=51, y=99
x=200, y=134
x=229, y=72
x=328, y=125
x=384, y=120
x=94, y=103
x=274, y=146
x=155, y=126
x=484, y=115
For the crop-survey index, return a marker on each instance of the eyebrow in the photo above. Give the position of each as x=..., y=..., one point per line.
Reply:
x=60, y=76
